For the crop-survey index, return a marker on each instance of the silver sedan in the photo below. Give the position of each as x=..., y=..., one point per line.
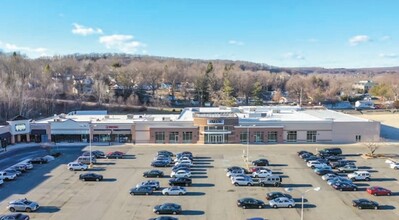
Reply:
x=174, y=190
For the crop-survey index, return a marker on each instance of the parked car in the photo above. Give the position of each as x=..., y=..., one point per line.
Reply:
x=306, y=155
x=159, y=163
x=95, y=153
x=246, y=203
x=330, y=151
x=315, y=164
x=260, y=162
x=20, y=167
x=141, y=190
x=86, y=159
x=235, y=173
x=323, y=170
x=329, y=176
x=303, y=152
x=242, y=181
x=394, y=166
x=379, y=191
x=77, y=166
x=312, y=157
x=181, y=173
x=348, y=168
x=183, y=158
x=282, y=202
x=7, y=176
x=228, y=169
x=150, y=183
x=12, y=170
x=275, y=195
x=165, y=152
x=339, y=179
x=359, y=175
x=180, y=182
x=365, y=204
x=175, y=169
x=168, y=208
x=261, y=173
x=341, y=186
x=164, y=218
x=340, y=163
x=27, y=164
x=174, y=190
x=115, y=155
x=38, y=160
x=273, y=180
x=184, y=162
x=23, y=205
x=91, y=177
x=333, y=158
x=254, y=169
x=18, y=216
x=153, y=173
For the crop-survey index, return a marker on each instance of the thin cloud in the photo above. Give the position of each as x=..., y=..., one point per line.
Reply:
x=293, y=56
x=124, y=43
x=13, y=47
x=385, y=38
x=237, y=43
x=84, y=31
x=388, y=55
x=358, y=39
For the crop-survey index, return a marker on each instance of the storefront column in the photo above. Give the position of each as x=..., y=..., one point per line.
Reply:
x=27, y=138
x=12, y=139
x=18, y=138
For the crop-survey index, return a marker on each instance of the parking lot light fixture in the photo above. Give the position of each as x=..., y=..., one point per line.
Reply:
x=303, y=196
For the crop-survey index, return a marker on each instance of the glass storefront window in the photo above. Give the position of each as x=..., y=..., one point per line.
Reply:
x=311, y=136
x=244, y=137
x=187, y=137
x=173, y=137
x=291, y=136
x=259, y=136
x=272, y=136
x=160, y=137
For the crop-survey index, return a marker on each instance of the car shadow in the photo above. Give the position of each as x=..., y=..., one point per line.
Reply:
x=105, y=163
x=201, y=163
x=350, y=155
x=96, y=169
x=199, y=166
x=359, y=189
x=307, y=206
x=202, y=185
x=198, y=173
x=387, y=207
x=284, y=176
x=192, y=212
x=199, y=177
x=109, y=180
x=198, y=169
x=383, y=179
x=364, y=168
x=293, y=185
x=47, y=209
x=278, y=165
x=201, y=158
x=194, y=194
x=277, y=172
x=128, y=156
x=299, y=200
x=395, y=194
x=362, y=184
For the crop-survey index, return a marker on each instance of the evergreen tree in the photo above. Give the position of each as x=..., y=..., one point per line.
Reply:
x=257, y=93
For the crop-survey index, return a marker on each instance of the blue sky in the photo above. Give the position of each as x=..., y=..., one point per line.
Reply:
x=291, y=33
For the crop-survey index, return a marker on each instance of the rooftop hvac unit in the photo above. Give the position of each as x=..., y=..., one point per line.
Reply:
x=276, y=110
x=130, y=116
x=62, y=115
x=166, y=119
x=106, y=117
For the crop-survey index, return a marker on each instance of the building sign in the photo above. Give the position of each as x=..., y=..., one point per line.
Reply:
x=215, y=122
x=20, y=127
x=111, y=126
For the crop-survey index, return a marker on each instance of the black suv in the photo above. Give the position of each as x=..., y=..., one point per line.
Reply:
x=330, y=151
x=180, y=181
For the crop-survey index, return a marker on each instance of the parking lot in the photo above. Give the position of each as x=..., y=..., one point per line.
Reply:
x=212, y=196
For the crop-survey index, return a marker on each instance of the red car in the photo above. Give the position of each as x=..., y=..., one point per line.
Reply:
x=254, y=169
x=379, y=191
x=115, y=154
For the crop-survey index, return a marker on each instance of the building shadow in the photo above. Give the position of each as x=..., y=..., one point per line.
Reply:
x=389, y=132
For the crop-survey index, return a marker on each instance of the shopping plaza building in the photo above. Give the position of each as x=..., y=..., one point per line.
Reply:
x=212, y=125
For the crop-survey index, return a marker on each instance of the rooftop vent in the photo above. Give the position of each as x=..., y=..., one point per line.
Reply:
x=130, y=116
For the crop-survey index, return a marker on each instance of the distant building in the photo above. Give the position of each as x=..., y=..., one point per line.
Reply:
x=363, y=86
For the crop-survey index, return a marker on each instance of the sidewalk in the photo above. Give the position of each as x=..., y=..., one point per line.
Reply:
x=14, y=147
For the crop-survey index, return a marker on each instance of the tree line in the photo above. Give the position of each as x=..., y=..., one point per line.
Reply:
x=31, y=87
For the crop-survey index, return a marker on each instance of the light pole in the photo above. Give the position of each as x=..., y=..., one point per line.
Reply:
x=91, y=163
x=247, y=144
x=303, y=196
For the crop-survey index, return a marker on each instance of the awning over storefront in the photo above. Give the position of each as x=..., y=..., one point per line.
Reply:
x=38, y=132
x=5, y=135
x=216, y=132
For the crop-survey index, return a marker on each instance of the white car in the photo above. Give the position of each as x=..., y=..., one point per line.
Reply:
x=262, y=173
x=235, y=173
x=7, y=176
x=77, y=166
x=282, y=202
x=394, y=165
x=181, y=173
x=182, y=158
x=313, y=163
x=174, y=190
x=184, y=162
x=27, y=163
x=328, y=176
x=359, y=175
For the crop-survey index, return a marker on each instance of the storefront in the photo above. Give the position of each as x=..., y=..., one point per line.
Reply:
x=69, y=131
x=19, y=129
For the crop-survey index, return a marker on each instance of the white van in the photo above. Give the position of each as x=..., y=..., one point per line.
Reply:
x=86, y=159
